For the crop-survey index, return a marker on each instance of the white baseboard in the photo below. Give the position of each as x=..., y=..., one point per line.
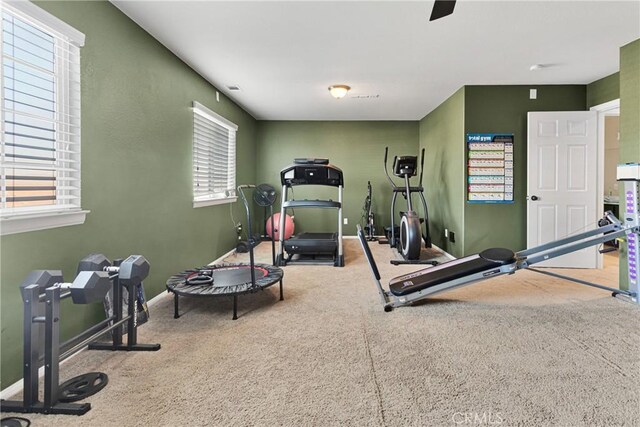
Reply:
x=219, y=260
x=16, y=387
x=446, y=254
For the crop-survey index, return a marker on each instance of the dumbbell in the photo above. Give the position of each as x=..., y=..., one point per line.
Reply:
x=134, y=269
x=93, y=262
x=87, y=287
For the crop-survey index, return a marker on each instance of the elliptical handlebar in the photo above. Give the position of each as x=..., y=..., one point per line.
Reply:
x=386, y=152
x=421, y=167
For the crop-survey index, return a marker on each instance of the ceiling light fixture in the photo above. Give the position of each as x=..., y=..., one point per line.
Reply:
x=537, y=67
x=339, y=91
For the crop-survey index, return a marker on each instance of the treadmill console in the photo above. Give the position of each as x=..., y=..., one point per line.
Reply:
x=311, y=172
x=405, y=165
x=311, y=161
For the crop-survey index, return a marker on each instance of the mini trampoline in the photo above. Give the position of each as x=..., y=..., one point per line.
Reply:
x=231, y=279
x=223, y=280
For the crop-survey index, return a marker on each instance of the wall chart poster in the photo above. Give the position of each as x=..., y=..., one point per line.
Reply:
x=490, y=168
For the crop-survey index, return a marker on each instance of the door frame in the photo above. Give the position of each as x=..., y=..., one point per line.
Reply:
x=610, y=108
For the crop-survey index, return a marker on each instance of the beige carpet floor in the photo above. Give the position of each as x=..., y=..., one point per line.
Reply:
x=522, y=350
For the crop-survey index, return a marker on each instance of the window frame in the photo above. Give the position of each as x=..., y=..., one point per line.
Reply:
x=212, y=199
x=31, y=218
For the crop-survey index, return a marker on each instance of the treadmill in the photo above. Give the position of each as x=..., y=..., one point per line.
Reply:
x=311, y=248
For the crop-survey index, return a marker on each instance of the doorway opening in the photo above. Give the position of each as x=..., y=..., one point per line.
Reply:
x=609, y=157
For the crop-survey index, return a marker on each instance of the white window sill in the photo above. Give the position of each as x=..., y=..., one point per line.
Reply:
x=213, y=202
x=40, y=221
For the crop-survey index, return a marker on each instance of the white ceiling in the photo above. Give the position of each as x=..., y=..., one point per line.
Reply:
x=284, y=55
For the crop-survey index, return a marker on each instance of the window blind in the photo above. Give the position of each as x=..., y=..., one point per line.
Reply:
x=40, y=150
x=214, y=155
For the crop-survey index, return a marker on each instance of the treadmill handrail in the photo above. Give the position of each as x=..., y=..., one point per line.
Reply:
x=327, y=204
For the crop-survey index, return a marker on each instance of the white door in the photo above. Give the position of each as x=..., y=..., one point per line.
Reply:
x=562, y=180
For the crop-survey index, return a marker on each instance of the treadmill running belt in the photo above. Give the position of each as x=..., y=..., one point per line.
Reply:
x=449, y=271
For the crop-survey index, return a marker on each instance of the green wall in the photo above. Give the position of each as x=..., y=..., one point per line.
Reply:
x=137, y=129
x=503, y=109
x=442, y=135
x=603, y=90
x=355, y=147
x=629, y=123
x=630, y=102
x=136, y=171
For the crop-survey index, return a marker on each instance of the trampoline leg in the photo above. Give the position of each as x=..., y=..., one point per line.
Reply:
x=281, y=291
x=235, y=307
x=176, y=314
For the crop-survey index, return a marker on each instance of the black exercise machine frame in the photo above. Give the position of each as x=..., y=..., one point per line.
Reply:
x=610, y=229
x=426, y=236
x=368, y=215
x=311, y=172
x=53, y=350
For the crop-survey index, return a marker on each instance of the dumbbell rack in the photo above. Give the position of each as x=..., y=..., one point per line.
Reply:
x=118, y=319
x=31, y=357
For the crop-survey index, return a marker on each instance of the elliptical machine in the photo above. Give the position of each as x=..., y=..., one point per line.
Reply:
x=407, y=238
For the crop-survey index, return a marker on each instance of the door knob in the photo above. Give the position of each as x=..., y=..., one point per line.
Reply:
x=534, y=198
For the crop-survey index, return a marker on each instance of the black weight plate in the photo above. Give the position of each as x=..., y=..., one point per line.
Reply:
x=82, y=386
x=15, y=422
x=201, y=279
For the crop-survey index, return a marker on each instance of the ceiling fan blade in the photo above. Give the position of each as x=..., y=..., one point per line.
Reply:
x=442, y=8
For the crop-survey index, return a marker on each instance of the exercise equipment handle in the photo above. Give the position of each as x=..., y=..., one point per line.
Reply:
x=367, y=201
x=246, y=207
x=421, y=167
x=386, y=152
